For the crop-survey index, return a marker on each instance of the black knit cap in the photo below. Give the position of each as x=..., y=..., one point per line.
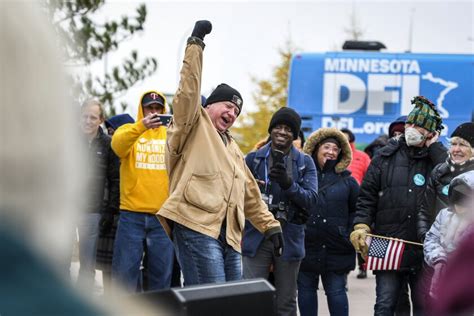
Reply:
x=288, y=117
x=349, y=132
x=466, y=132
x=332, y=140
x=224, y=92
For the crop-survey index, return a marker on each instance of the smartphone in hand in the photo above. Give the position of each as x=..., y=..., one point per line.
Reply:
x=165, y=118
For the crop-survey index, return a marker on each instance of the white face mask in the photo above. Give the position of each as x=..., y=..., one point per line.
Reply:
x=413, y=136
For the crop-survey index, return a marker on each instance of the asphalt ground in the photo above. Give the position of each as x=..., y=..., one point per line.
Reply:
x=361, y=292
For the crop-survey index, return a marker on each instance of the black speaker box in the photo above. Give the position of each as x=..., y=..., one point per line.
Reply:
x=243, y=298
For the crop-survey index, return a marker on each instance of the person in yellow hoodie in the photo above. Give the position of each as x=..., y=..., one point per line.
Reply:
x=143, y=189
x=212, y=190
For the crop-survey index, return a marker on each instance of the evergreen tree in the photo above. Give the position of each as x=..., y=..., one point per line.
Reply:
x=85, y=40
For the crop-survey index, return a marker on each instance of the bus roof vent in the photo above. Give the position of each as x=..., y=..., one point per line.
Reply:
x=363, y=45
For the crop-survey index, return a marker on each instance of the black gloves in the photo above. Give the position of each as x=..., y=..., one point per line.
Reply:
x=201, y=29
x=106, y=222
x=278, y=244
x=300, y=217
x=279, y=175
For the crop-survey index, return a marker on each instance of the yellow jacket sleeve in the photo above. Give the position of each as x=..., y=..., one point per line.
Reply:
x=125, y=137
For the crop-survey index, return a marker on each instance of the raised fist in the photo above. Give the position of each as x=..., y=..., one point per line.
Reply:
x=201, y=29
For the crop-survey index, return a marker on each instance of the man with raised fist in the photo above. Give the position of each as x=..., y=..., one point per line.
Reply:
x=212, y=191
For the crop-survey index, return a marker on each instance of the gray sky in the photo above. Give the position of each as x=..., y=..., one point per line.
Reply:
x=246, y=35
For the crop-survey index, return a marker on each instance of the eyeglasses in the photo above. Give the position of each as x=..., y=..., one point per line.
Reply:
x=332, y=148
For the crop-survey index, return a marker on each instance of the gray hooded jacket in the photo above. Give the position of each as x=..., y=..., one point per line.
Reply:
x=448, y=229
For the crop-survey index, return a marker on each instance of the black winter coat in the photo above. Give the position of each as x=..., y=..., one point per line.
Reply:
x=393, y=190
x=327, y=244
x=436, y=193
x=103, y=179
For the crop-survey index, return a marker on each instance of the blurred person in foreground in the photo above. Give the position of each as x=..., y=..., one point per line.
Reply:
x=102, y=186
x=390, y=196
x=329, y=253
x=287, y=179
x=42, y=174
x=449, y=228
x=212, y=190
x=143, y=190
x=41, y=154
x=453, y=293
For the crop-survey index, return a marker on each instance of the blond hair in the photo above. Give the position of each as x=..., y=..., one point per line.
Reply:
x=91, y=102
x=462, y=141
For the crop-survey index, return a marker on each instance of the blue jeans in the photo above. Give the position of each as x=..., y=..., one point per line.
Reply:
x=133, y=229
x=88, y=229
x=334, y=286
x=204, y=259
x=285, y=272
x=389, y=285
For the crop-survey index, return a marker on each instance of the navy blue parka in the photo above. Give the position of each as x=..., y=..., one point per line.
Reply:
x=328, y=248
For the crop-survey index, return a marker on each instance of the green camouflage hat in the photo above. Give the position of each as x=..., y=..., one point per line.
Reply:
x=425, y=115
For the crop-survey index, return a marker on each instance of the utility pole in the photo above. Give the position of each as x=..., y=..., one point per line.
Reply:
x=410, y=31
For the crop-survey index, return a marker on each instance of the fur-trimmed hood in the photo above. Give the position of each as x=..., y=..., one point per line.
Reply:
x=321, y=134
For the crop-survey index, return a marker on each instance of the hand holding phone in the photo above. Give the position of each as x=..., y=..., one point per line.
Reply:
x=152, y=120
x=165, y=119
x=277, y=156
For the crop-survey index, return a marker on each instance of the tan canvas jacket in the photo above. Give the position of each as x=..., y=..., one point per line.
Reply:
x=209, y=181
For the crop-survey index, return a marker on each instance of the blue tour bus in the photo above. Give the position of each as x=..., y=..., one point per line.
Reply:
x=366, y=91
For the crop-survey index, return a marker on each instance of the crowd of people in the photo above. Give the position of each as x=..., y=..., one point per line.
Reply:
x=178, y=204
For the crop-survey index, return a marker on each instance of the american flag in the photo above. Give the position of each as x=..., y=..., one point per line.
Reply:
x=384, y=254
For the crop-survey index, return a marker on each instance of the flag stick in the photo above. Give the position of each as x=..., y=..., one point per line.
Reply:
x=391, y=238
